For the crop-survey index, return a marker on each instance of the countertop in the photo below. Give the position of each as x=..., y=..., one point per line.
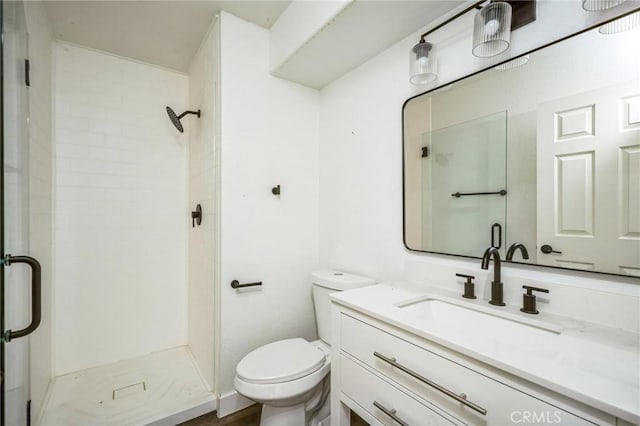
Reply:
x=596, y=365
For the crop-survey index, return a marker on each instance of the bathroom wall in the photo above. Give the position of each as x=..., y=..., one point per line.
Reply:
x=361, y=166
x=203, y=181
x=40, y=190
x=121, y=212
x=269, y=137
x=361, y=172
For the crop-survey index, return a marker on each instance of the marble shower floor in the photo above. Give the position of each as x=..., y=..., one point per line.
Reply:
x=162, y=388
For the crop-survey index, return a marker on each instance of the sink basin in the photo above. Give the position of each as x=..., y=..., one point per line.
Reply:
x=485, y=331
x=486, y=318
x=517, y=340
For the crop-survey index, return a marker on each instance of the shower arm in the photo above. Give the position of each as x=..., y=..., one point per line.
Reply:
x=189, y=112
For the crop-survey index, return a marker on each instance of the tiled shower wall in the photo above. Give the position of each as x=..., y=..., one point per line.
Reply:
x=121, y=212
x=202, y=251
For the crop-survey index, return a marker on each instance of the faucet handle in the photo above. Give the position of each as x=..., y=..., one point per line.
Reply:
x=529, y=299
x=469, y=291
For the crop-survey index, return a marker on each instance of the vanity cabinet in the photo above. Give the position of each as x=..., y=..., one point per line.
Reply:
x=391, y=377
x=384, y=400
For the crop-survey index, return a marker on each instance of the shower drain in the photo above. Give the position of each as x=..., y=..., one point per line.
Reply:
x=129, y=390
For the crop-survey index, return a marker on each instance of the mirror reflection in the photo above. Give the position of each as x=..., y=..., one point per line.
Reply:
x=543, y=152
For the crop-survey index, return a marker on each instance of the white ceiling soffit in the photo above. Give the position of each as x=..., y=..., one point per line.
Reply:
x=358, y=33
x=165, y=33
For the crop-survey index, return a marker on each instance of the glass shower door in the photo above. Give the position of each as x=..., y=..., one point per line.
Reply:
x=16, y=280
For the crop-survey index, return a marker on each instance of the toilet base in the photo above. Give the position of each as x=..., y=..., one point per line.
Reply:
x=319, y=408
x=325, y=422
x=315, y=411
x=283, y=416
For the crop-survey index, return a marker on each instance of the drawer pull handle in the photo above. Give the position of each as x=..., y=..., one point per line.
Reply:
x=391, y=413
x=460, y=398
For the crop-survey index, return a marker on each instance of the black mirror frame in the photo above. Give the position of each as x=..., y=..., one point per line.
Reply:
x=404, y=105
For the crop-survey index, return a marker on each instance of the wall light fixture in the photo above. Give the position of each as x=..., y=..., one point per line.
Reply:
x=493, y=24
x=492, y=30
x=422, y=63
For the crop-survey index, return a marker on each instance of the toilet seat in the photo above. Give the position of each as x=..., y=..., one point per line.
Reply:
x=281, y=361
x=287, y=393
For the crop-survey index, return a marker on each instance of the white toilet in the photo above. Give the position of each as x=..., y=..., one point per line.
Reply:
x=291, y=377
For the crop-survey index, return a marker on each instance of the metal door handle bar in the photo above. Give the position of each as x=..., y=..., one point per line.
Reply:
x=493, y=234
x=460, y=398
x=391, y=413
x=36, y=295
x=236, y=284
x=463, y=194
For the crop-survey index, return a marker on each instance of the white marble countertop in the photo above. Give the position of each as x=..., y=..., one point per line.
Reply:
x=596, y=365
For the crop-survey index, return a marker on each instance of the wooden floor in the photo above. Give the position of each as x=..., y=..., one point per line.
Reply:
x=247, y=417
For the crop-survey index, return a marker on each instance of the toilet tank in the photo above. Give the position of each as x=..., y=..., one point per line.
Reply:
x=325, y=282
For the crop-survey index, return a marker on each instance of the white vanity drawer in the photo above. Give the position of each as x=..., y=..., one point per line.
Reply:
x=366, y=388
x=503, y=404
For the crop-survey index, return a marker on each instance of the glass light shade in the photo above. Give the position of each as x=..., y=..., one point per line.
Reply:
x=492, y=30
x=422, y=63
x=622, y=24
x=598, y=5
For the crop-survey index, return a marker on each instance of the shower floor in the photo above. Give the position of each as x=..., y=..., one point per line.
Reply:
x=163, y=388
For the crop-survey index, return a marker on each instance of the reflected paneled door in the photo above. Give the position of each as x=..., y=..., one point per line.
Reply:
x=589, y=181
x=15, y=279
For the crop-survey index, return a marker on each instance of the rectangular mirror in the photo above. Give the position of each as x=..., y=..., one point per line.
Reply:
x=543, y=151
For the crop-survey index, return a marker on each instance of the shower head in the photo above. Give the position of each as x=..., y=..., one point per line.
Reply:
x=175, y=119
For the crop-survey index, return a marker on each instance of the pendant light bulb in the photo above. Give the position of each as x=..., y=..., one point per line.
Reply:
x=491, y=27
x=492, y=30
x=422, y=63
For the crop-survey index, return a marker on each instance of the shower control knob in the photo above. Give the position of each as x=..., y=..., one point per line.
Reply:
x=196, y=216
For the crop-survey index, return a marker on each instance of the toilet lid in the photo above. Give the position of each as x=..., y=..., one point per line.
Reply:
x=280, y=361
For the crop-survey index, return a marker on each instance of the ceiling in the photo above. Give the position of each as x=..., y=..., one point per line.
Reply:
x=169, y=33
x=358, y=33
x=165, y=33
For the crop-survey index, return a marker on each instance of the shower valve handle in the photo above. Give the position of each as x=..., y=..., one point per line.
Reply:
x=196, y=216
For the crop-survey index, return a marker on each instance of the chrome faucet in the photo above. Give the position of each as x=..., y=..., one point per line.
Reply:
x=517, y=246
x=496, y=284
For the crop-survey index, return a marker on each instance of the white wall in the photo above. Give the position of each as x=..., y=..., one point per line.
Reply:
x=203, y=255
x=40, y=191
x=269, y=137
x=361, y=167
x=121, y=210
x=361, y=174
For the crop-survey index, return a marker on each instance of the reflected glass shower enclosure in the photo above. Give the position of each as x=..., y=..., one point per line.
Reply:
x=464, y=186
